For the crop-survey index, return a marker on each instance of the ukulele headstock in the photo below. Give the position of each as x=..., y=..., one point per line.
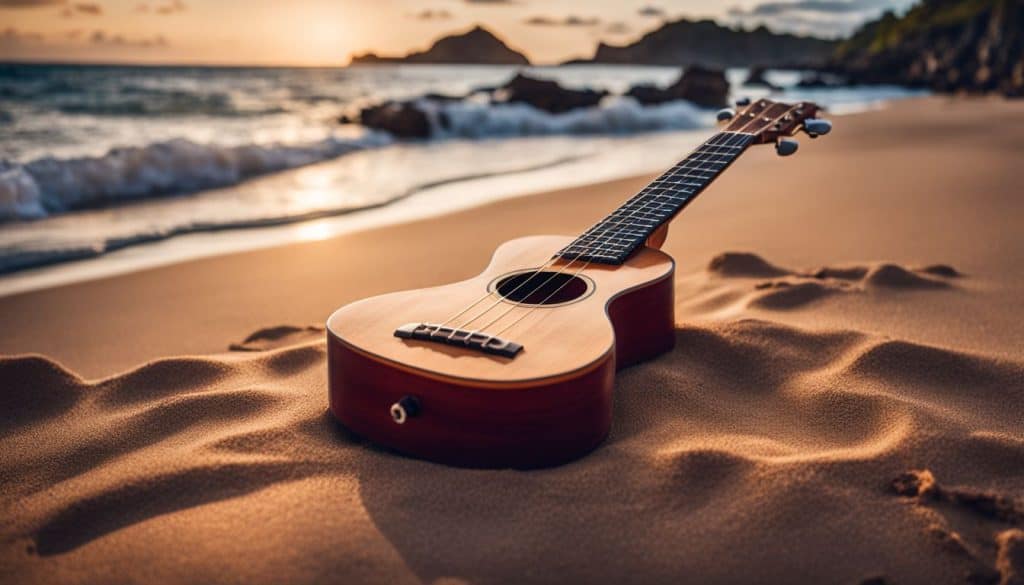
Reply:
x=774, y=122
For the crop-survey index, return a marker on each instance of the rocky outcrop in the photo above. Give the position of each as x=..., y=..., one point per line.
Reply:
x=705, y=87
x=945, y=45
x=476, y=46
x=821, y=80
x=756, y=78
x=401, y=119
x=546, y=95
x=410, y=119
x=686, y=42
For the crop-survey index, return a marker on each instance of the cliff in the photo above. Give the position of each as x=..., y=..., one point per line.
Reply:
x=708, y=43
x=945, y=45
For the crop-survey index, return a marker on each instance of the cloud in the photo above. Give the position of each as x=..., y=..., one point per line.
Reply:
x=823, y=18
x=567, y=21
x=428, y=14
x=82, y=9
x=814, y=6
x=653, y=11
x=103, y=38
x=13, y=36
x=618, y=28
x=490, y=1
x=163, y=8
x=28, y=3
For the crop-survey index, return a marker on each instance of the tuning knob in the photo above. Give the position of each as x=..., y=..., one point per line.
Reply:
x=725, y=114
x=815, y=127
x=744, y=101
x=786, y=146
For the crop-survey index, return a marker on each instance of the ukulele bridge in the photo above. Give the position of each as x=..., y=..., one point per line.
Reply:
x=456, y=337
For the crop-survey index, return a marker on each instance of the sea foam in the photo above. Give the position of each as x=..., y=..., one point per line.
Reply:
x=50, y=186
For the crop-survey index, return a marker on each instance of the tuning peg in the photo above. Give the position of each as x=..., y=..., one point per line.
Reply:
x=786, y=146
x=815, y=127
x=744, y=101
x=725, y=114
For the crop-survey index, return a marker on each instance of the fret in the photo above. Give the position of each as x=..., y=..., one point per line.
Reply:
x=651, y=208
x=650, y=201
x=653, y=198
x=615, y=237
x=638, y=224
x=652, y=214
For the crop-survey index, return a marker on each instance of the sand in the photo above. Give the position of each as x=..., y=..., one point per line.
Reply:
x=845, y=403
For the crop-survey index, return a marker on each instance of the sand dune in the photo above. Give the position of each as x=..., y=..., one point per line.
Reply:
x=744, y=429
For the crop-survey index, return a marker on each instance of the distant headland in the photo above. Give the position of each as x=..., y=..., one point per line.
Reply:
x=475, y=46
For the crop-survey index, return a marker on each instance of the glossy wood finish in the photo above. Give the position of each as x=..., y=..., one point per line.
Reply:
x=550, y=404
x=556, y=340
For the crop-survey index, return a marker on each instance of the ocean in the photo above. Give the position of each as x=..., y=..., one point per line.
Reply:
x=101, y=167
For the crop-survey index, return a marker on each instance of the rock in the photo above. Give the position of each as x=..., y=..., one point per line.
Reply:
x=546, y=95
x=442, y=97
x=756, y=79
x=477, y=45
x=402, y=119
x=946, y=45
x=821, y=80
x=705, y=87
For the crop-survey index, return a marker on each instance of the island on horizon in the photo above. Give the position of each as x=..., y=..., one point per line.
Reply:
x=477, y=46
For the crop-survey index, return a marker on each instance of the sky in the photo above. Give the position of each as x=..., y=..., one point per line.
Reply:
x=329, y=32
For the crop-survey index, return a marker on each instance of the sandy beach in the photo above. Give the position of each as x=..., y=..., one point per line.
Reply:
x=845, y=403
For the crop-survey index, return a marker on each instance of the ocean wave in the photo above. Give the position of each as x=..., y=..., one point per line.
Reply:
x=143, y=101
x=48, y=186
x=34, y=253
x=616, y=115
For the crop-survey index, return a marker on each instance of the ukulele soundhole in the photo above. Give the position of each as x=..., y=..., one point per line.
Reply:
x=546, y=288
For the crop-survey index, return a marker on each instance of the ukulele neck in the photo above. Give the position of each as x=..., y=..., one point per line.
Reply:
x=617, y=236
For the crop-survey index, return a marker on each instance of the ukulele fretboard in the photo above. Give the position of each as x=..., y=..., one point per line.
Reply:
x=613, y=239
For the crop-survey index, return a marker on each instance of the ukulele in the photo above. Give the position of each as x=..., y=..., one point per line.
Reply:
x=515, y=367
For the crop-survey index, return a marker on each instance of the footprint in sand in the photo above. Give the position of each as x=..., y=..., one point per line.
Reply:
x=972, y=524
x=743, y=279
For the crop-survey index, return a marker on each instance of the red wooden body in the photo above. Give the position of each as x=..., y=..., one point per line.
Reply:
x=493, y=423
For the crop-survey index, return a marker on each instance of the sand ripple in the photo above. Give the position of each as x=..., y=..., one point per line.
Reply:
x=751, y=435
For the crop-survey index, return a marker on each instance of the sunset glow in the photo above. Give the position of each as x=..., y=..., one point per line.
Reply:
x=329, y=32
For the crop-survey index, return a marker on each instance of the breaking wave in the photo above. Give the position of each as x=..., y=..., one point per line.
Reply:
x=51, y=186
x=618, y=115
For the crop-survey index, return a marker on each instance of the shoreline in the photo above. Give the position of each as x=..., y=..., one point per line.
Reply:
x=596, y=165
x=301, y=283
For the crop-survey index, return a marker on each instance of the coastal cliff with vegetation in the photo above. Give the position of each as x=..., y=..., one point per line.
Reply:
x=476, y=46
x=705, y=42
x=945, y=45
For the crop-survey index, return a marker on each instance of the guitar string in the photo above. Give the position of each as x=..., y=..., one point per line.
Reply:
x=597, y=246
x=546, y=265
x=602, y=233
x=524, y=315
x=577, y=272
x=593, y=249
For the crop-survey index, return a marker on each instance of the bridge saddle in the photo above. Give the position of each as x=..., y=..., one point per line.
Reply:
x=454, y=336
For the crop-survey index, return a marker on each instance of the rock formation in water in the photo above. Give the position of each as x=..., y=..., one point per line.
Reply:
x=702, y=86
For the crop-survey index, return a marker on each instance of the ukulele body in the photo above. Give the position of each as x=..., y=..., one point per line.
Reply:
x=549, y=403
